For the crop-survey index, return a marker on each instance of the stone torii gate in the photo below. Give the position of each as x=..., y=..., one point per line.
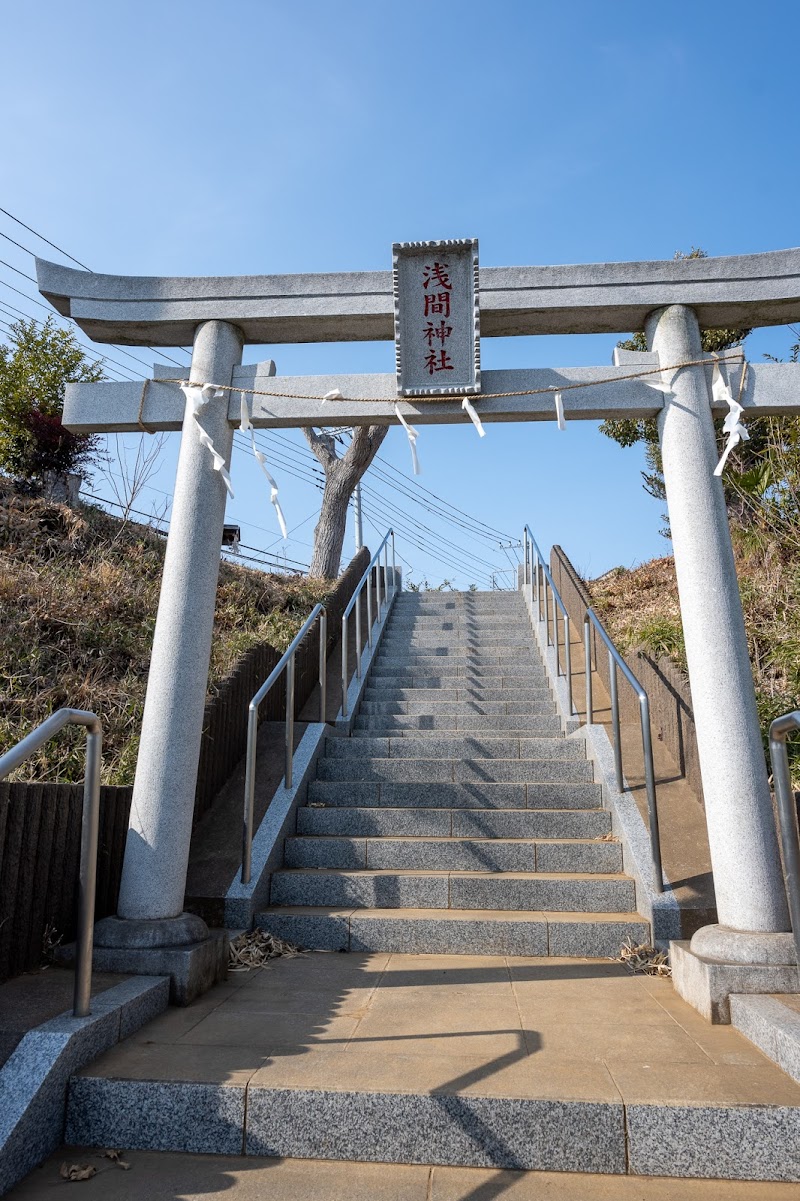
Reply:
x=670, y=300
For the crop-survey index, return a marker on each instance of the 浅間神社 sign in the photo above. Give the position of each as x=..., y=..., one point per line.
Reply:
x=436, y=317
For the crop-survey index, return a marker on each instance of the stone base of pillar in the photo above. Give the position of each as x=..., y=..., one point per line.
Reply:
x=708, y=982
x=183, y=948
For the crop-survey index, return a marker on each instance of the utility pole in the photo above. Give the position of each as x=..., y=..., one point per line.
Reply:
x=357, y=517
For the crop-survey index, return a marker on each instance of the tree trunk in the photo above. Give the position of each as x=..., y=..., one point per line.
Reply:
x=330, y=531
x=341, y=477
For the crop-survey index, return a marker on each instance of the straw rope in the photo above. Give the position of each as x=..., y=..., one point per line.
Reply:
x=611, y=379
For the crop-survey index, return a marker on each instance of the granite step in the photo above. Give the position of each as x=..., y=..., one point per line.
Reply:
x=419, y=672
x=469, y=692
x=457, y=771
x=498, y=654
x=455, y=932
x=464, y=708
x=475, y=794
x=451, y=854
x=376, y=822
x=388, y=723
x=390, y=889
x=511, y=638
x=379, y=727
x=458, y=746
x=504, y=1090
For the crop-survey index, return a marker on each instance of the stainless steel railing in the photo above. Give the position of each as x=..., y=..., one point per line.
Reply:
x=616, y=662
x=90, y=823
x=286, y=664
x=381, y=598
x=779, y=731
x=538, y=577
x=537, y=574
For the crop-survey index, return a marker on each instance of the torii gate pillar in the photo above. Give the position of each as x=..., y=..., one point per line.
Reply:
x=751, y=902
x=150, y=919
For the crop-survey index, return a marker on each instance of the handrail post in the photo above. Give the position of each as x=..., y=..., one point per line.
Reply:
x=546, y=614
x=289, y=721
x=344, y=664
x=357, y=611
x=323, y=665
x=650, y=784
x=587, y=654
x=386, y=575
x=394, y=566
x=249, y=791
x=568, y=662
x=612, y=671
x=378, y=593
x=779, y=730
x=535, y=558
x=526, y=577
x=90, y=824
x=369, y=613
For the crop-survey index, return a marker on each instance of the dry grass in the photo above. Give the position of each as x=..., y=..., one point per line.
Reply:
x=78, y=598
x=641, y=612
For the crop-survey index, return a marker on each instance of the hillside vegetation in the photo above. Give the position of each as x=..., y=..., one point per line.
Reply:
x=78, y=598
x=640, y=610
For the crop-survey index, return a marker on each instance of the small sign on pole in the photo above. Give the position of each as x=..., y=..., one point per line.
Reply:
x=437, y=317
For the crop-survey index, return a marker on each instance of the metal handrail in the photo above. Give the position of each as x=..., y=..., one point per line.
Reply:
x=532, y=577
x=286, y=663
x=779, y=731
x=615, y=660
x=374, y=565
x=536, y=571
x=90, y=824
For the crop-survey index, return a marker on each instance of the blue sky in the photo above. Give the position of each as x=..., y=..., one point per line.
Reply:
x=198, y=138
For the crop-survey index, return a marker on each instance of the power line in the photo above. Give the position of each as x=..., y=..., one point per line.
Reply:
x=31, y=230
x=72, y=258
x=22, y=273
x=40, y=324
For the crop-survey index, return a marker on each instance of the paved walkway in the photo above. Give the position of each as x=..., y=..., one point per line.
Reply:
x=567, y=1028
x=167, y=1176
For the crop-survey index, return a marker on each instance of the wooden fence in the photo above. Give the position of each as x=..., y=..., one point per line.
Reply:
x=40, y=824
x=40, y=841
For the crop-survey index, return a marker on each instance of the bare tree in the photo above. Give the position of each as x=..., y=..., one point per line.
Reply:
x=341, y=476
x=134, y=475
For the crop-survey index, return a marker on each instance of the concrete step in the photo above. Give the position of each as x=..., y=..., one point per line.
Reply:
x=475, y=681
x=453, y=890
x=458, y=747
x=772, y=1022
x=413, y=853
x=399, y=641
x=396, y=725
x=375, y=822
x=462, y=708
x=455, y=932
x=469, y=692
x=443, y=657
x=458, y=672
x=475, y=794
x=457, y=771
x=457, y=621
x=433, y=679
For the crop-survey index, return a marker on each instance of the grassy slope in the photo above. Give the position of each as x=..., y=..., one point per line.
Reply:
x=78, y=598
x=640, y=609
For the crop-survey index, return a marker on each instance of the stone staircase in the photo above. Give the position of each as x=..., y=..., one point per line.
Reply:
x=457, y=817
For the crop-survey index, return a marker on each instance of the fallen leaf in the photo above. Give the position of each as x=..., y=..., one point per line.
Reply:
x=77, y=1171
x=116, y=1158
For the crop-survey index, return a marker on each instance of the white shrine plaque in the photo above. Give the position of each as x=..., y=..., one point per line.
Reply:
x=436, y=317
